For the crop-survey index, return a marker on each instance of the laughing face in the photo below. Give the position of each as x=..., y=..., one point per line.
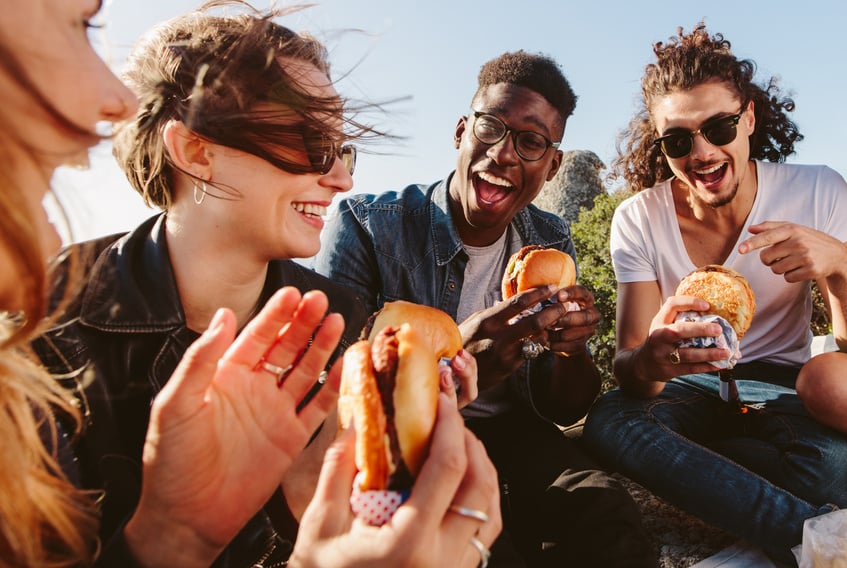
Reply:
x=712, y=174
x=492, y=183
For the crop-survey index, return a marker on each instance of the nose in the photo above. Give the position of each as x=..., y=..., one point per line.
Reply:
x=118, y=102
x=338, y=178
x=503, y=152
x=700, y=146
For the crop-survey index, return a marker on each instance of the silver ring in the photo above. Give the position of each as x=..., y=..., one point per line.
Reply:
x=484, y=553
x=279, y=372
x=530, y=349
x=673, y=356
x=474, y=514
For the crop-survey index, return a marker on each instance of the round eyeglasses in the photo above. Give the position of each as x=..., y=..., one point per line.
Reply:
x=323, y=157
x=718, y=132
x=530, y=146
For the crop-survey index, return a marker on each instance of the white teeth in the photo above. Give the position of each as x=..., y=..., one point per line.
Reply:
x=309, y=209
x=494, y=180
x=707, y=171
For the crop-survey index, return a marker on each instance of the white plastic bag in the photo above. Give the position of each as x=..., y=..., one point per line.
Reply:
x=824, y=541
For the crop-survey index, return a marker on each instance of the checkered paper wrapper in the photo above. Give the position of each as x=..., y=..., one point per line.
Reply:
x=375, y=507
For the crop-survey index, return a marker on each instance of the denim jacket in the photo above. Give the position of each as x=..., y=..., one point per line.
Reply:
x=404, y=246
x=117, y=344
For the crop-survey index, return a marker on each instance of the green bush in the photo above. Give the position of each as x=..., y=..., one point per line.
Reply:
x=591, y=238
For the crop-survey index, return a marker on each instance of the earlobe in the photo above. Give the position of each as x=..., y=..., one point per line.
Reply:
x=188, y=152
x=555, y=164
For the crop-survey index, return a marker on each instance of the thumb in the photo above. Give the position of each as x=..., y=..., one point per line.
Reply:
x=336, y=479
x=196, y=371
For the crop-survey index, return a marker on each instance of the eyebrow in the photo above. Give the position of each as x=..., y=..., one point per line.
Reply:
x=717, y=116
x=543, y=128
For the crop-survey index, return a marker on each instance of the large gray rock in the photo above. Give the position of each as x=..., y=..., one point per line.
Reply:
x=576, y=185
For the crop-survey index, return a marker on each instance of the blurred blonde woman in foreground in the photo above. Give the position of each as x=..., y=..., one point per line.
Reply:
x=223, y=431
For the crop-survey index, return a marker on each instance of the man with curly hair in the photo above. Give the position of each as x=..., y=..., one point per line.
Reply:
x=702, y=158
x=447, y=245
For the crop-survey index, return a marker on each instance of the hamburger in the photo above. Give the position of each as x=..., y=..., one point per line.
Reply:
x=389, y=394
x=432, y=325
x=534, y=266
x=728, y=293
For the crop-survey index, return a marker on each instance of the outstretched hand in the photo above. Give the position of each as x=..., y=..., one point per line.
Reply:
x=223, y=432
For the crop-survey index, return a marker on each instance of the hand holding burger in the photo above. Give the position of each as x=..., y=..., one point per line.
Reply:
x=731, y=304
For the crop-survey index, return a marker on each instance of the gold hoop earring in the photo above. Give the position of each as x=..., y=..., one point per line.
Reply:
x=201, y=191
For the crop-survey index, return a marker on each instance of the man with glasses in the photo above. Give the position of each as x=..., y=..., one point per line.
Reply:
x=447, y=245
x=699, y=156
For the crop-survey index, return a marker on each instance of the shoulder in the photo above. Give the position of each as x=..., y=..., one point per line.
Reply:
x=782, y=173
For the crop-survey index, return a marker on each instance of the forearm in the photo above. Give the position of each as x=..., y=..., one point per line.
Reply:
x=631, y=375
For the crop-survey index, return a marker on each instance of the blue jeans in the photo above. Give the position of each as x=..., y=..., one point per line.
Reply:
x=758, y=475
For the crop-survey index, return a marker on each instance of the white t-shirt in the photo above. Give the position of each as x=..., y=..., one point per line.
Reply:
x=646, y=245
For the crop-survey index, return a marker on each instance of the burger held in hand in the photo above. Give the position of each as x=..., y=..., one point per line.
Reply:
x=389, y=394
x=731, y=304
x=535, y=266
x=433, y=326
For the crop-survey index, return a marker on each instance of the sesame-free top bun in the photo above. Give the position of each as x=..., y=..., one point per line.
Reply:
x=727, y=292
x=534, y=266
x=431, y=324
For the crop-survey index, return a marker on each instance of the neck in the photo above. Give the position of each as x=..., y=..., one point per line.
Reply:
x=211, y=274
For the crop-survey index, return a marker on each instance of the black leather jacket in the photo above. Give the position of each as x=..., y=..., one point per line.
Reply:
x=118, y=342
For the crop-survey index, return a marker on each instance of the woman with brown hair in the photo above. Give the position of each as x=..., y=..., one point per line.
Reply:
x=242, y=140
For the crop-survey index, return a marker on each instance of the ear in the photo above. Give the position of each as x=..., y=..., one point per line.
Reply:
x=460, y=130
x=750, y=118
x=555, y=164
x=188, y=151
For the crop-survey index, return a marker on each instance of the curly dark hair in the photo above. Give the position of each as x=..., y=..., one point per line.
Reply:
x=683, y=63
x=221, y=76
x=537, y=72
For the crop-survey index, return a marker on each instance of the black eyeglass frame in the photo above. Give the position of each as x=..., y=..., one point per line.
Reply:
x=515, y=135
x=322, y=162
x=730, y=121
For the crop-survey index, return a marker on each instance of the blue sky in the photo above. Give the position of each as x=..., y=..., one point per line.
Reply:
x=432, y=51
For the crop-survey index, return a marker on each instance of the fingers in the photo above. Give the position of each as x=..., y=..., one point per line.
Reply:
x=465, y=376
x=446, y=383
x=765, y=234
x=261, y=333
x=441, y=474
x=329, y=511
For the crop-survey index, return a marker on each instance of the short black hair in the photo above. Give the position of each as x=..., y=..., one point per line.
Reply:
x=534, y=71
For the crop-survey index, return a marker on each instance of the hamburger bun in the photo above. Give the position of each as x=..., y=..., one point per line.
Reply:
x=728, y=293
x=432, y=325
x=534, y=266
x=389, y=393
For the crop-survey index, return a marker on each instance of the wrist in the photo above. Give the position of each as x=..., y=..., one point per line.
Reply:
x=160, y=541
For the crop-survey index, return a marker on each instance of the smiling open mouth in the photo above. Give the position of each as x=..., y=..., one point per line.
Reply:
x=491, y=189
x=310, y=209
x=712, y=174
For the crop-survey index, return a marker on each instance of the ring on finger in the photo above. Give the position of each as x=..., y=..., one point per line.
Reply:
x=279, y=372
x=530, y=349
x=673, y=356
x=474, y=514
x=484, y=552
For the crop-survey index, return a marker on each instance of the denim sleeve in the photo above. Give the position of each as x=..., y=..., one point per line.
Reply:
x=347, y=255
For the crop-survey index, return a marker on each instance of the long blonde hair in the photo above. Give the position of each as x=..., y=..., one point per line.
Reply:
x=44, y=519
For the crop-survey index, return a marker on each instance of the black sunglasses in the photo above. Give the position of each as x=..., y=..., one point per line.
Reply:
x=530, y=146
x=323, y=157
x=718, y=132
